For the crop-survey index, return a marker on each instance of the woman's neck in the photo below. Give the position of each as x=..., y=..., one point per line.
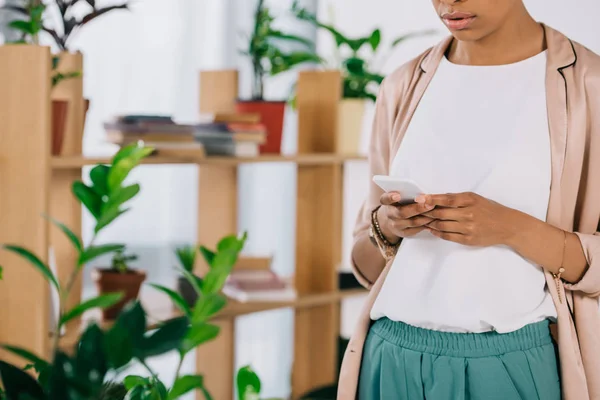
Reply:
x=517, y=40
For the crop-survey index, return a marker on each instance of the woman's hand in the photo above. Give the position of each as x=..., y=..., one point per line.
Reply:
x=470, y=219
x=400, y=221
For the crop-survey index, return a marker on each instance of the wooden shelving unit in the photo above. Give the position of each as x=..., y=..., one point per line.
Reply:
x=35, y=183
x=76, y=162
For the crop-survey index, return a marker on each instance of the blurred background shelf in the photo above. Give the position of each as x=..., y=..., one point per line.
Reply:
x=160, y=308
x=74, y=162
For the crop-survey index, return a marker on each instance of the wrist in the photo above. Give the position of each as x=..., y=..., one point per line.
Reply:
x=383, y=226
x=521, y=228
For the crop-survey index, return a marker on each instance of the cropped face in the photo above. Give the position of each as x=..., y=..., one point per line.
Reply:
x=472, y=20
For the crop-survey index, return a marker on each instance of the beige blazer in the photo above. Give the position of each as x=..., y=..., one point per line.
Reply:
x=573, y=97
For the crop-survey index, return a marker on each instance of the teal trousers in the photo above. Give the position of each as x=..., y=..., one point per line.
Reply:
x=402, y=362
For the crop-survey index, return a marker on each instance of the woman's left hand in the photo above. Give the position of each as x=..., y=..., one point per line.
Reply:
x=471, y=219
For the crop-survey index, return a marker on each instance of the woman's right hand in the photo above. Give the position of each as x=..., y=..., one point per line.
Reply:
x=400, y=221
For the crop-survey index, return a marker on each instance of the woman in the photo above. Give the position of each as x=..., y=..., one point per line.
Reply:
x=498, y=122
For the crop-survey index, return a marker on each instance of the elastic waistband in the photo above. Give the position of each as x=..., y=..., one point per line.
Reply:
x=470, y=345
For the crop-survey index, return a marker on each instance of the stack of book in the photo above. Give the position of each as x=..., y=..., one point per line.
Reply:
x=231, y=134
x=258, y=286
x=159, y=132
x=238, y=135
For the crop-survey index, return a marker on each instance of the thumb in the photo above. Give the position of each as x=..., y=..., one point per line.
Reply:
x=389, y=198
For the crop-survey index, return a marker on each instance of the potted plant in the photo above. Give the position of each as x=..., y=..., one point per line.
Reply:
x=360, y=72
x=92, y=369
x=119, y=278
x=186, y=255
x=268, y=59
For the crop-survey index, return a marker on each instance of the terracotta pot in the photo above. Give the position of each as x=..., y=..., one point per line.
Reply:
x=60, y=109
x=110, y=281
x=186, y=290
x=272, y=114
x=350, y=126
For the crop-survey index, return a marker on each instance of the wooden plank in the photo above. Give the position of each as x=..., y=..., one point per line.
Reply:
x=71, y=90
x=66, y=209
x=76, y=162
x=315, y=348
x=218, y=91
x=217, y=206
x=318, y=242
x=318, y=228
x=24, y=179
x=215, y=361
x=319, y=94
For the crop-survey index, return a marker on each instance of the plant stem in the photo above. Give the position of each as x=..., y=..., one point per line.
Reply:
x=62, y=299
x=178, y=370
x=143, y=362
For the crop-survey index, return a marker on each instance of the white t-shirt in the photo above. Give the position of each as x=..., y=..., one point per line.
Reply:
x=481, y=129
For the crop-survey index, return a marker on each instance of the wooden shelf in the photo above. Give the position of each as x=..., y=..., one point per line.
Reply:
x=74, y=162
x=160, y=308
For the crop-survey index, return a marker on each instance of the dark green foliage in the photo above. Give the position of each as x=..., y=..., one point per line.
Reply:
x=360, y=81
x=120, y=260
x=266, y=56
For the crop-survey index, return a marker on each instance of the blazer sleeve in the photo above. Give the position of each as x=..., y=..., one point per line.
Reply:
x=590, y=282
x=379, y=157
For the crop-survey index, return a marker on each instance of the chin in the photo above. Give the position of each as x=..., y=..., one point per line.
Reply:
x=467, y=35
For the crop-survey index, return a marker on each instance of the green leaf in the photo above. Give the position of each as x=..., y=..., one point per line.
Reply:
x=23, y=26
x=207, y=254
x=68, y=233
x=175, y=298
x=121, y=196
x=88, y=197
x=274, y=34
x=132, y=381
x=26, y=355
x=125, y=338
x=248, y=383
x=206, y=394
x=281, y=62
x=375, y=39
x=207, y=306
x=107, y=217
x=184, y=385
x=121, y=169
x=90, y=363
x=193, y=280
x=93, y=252
x=124, y=152
x=223, y=263
x=198, y=334
x=136, y=393
x=36, y=262
x=19, y=384
x=231, y=243
x=99, y=177
x=166, y=338
x=103, y=301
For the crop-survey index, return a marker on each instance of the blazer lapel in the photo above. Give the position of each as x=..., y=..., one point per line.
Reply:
x=561, y=56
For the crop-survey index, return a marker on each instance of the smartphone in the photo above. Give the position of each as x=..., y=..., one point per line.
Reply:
x=408, y=189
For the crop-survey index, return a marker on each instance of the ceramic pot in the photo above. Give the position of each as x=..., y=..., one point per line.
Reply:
x=110, y=281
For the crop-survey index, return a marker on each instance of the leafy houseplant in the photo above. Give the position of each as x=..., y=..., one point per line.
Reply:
x=119, y=278
x=269, y=59
x=248, y=384
x=101, y=354
x=359, y=60
x=186, y=256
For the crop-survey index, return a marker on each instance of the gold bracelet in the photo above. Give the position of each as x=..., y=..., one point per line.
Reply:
x=561, y=267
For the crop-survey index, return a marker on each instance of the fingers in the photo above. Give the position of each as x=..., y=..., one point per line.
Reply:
x=451, y=214
x=452, y=237
x=449, y=226
x=454, y=200
x=409, y=210
x=389, y=198
x=408, y=232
